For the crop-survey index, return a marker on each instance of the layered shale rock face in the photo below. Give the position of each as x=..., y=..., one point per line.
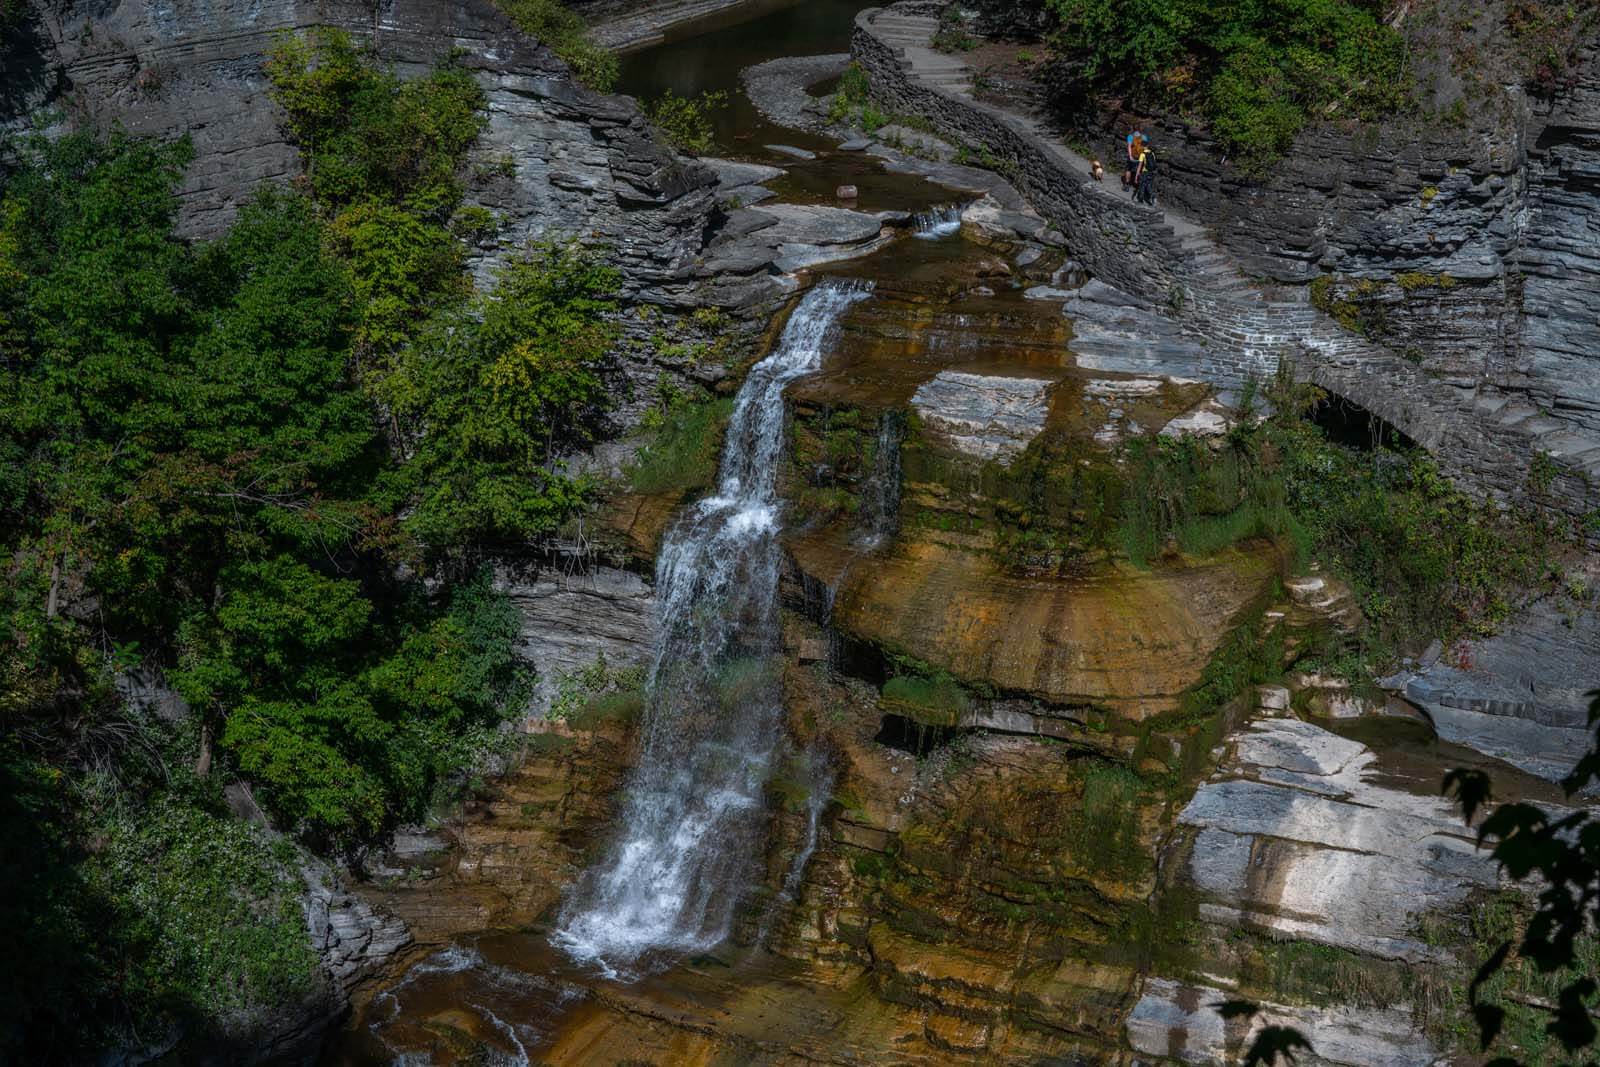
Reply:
x=556, y=158
x=1440, y=276
x=1472, y=252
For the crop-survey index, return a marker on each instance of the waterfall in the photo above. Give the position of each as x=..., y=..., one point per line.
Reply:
x=691, y=814
x=937, y=222
x=878, y=517
x=820, y=785
x=819, y=790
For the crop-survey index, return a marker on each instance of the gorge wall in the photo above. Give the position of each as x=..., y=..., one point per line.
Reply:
x=1443, y=278
x=556, y=159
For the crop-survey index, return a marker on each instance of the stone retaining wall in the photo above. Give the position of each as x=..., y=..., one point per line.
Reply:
x=1449, y=399
x=1124, y=244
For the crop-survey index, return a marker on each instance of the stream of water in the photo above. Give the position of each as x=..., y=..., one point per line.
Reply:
x=691, y=821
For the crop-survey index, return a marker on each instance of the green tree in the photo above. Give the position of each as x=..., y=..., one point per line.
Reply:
x=491, y=396
x=382, y=156
x=187, y=451
x=686, y=120
x=1255, y=70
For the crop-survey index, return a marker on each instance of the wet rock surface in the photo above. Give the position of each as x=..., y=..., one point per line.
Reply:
x=982, y=415
x=1520, y=695
x=1294, y=836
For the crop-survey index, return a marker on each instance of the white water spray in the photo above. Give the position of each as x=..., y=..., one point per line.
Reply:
x=936, y=222
x=692, y=814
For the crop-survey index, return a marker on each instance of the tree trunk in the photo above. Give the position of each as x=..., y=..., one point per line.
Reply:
x=202, y=763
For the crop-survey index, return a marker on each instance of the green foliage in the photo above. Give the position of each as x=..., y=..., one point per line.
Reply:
x=1425, y=558
x=553, y=24
x=490, y=396
x=1251, y=654
x=1106, y=833
x=1308, y=972
x=381, y=157
x=686, y=120
x=193, y=485
x=598, y=692
x=210, y=906
x=185, y=446
x=854, y=88
x=683, y=455
x=937, y=698
x=1537, y=987
x=951, y=36
x=1519, y=988
x=174, y=914
x=348, y=719
x=1257, y=72
x=1183, y=494
x=852, y=101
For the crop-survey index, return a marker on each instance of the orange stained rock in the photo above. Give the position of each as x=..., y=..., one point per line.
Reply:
x=1125, y=639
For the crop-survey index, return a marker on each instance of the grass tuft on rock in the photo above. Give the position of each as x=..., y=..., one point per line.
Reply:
x=939, y=698
x=684, y=452
x=553, y=24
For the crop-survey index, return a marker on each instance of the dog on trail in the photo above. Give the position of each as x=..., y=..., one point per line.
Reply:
x=1096, y=169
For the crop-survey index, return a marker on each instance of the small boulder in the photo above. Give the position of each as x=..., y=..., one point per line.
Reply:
x=1273, y=699
x=791, y=151
x=993, y=268
x=846, y=192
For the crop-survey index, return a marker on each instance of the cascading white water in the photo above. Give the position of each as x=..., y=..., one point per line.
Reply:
x=691, y=816
x=819, y=790
x=936, y=222
x=878, y=517
x=820, y=785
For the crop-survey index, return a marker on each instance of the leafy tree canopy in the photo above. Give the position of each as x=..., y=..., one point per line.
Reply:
x=225, y=465
x=1255, y=70
x=490, y=395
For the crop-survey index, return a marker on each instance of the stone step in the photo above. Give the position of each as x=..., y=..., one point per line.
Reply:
x=1491, y=404
x=1517, y=412
x=1567, y=443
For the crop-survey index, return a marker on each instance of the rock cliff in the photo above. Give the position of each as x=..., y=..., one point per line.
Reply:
x=1440, y=278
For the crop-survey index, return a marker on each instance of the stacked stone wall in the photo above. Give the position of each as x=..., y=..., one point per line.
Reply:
x=1451, y=361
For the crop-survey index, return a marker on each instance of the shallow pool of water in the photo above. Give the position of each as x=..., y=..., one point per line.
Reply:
x=707, y=56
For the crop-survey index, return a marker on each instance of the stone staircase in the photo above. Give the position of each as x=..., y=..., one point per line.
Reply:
x=1251, y=328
